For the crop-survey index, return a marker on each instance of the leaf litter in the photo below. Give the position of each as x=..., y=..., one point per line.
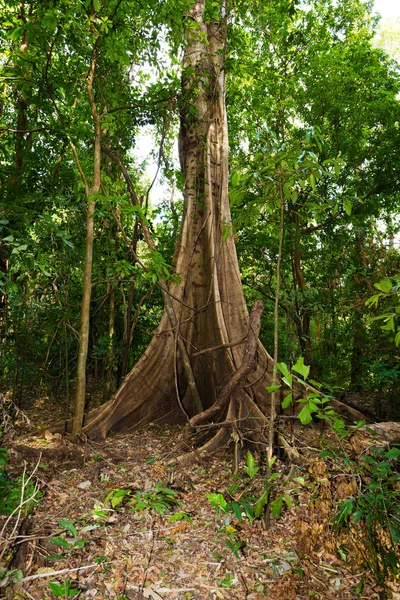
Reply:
x=124, y=522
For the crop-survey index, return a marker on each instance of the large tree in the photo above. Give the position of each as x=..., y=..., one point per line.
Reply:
x=202, y=340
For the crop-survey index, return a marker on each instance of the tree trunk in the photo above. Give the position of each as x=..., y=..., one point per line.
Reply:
x=208, y=301
x=91, y=193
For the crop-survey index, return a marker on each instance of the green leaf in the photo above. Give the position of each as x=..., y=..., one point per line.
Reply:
x=96, y=5
x=248, y=510
x=276, y=507
x=374, y=300
x=283, y=368
x=59, y=541
x=305, y=415
x=179, y=517
x=62, y=590
x=299, y=480
x=348, y=206
x=237, y=510
x=272, y=388
x=288, y=380
x=251, y=468
x=261, y=502
x=392, y=454
x=301, y=368
x=288, y=501
x=287, y=401
x=69, y=527
x=346, y=509
x=217, y=500
x=385, y=285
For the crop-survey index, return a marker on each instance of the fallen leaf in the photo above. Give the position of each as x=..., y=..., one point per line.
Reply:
x=84, y=485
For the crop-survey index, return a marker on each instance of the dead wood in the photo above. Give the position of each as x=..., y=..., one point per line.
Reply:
x=389, y=431
x=34, y=452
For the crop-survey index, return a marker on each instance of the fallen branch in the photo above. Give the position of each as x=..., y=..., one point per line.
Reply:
x=55, y=573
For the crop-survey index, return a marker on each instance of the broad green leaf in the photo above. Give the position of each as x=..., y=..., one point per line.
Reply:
x=301, y=368
x=69, y=527
x=59, y=541
x=288, y=380
x=283, y=368
x=217, y=500
x=261, y=502
x=392, y=454
x=62, y=590
x=346, y=509
x=287, y=401
x=348, y=206
x=251, y=469
x=385, y=285
x=299, y=480
x=272, y=388
x=288, y=501
x=276, y=507
x=237, y=510
x=305, y=415
x=179, y=517
x=373, y=301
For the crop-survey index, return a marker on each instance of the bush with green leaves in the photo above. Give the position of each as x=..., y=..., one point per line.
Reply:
x=161, y=499
x=243, y=502
x=373, y=515
x=17, y=493
x=63, y=590
x=388, y=294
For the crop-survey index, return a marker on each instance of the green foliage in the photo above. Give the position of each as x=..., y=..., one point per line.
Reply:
x=374, y=514
x=10, y=576
x=19, y=494
x=389, y=294
x=161, y=499
x=315, y=404
x=241, y=501
x=63, y=590
x=69, y=544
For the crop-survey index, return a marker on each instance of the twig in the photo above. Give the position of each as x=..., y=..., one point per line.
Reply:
x=55, y=573
x=18, y=509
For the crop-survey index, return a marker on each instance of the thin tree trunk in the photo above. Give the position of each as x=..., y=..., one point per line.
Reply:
x=110, y=375
x=87, y=276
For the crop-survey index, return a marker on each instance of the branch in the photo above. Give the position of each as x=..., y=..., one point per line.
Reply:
x=322, y=225
x=237, y=343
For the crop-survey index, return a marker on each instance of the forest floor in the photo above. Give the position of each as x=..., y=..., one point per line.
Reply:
x=75, y=539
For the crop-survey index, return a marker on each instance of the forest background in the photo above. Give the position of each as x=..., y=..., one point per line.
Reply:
x=340, y=178
x=123, y=302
